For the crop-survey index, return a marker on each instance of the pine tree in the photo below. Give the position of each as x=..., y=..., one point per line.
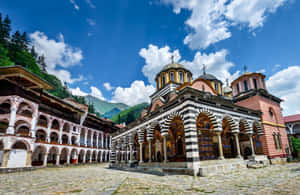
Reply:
x=24, y=41
x=5, y=31
x=33, y=52
x=41, y=62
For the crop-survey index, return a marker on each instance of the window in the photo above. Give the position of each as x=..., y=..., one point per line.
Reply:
x=188, y=77
x=255, y=83
x=203, y=88
x=172, y=76
x=216, y=87
x=237, y=88
x=271, y=113
x=277, y=141
x=181, y=80
x=246, y=85
x=163, y=80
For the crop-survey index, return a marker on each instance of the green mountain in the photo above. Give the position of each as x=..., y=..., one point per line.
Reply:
x=129, y=115
x=104, y=107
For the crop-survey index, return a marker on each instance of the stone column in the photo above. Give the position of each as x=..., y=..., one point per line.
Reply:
x=76, y=157
x=150, y=152
x=97, y=138
x=96, y=159
x=102, y=140
x=92, y=139
x=34, y=122
x=141, y=152
x=252, y=146
x=12, y=119
x=131, y=152
x=45, y=159
x=28, y=159
x=68, y=158
x=57, y=159
x=236, y=136
x=60, y=135
x=5, y=158
x=83, y=158
x=221, y=157
x=165, y=149
x=85, y=138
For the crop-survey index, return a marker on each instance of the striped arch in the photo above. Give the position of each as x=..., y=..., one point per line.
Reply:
x=167, y=123
x=258, y=127
x=233, y=125
x=212, y=118
x=247, y=126
x=150, y=129
x=141, y=134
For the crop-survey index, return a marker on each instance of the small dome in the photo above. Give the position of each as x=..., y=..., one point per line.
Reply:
x=227, y=89
x=209, y=77
x=174, y=66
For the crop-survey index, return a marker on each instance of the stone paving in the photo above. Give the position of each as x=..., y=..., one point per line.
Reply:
x=97, y=179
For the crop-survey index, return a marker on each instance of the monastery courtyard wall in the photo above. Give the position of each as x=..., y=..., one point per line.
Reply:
x=97, y=179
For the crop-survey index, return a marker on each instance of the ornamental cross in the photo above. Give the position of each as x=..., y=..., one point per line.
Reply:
x=204, y=69
x=172, y=59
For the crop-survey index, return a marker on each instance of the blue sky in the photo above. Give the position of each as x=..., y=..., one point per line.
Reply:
x=125, y=43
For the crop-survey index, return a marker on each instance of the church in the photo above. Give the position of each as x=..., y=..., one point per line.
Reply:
x=200, y=127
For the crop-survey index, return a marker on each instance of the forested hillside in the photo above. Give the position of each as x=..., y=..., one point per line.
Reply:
x=16, y=49
x=130, y=114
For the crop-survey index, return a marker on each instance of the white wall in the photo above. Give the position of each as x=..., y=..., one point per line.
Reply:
x=17, y=158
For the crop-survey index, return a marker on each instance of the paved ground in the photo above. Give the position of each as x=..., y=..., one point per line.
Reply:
x=97, y=179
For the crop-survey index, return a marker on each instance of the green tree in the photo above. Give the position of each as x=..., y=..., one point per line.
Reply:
x=5, y=29
x=42, y=63
x=33, y=52
x=4, y=59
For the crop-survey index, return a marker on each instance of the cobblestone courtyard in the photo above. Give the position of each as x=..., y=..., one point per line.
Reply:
x=97, y=179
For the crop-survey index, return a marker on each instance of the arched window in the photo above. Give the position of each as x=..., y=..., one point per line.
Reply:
x=163, y=80
x=181, y=79
x=172, y=76
x=255, y=83
x=216, y=86
x=246, y=85
x=203, y=88
x=237, y=88
x=271, y=113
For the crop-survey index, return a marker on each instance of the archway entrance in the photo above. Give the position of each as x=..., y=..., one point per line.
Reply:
x=38, y=156
x=228, y=140
x=244, y=140
x=176, y=141
x=52, y=156
x=136, y=148
x=73, y=157
x=88, y=156
x=256, y=139
x=207, y=140
x=1, y=152
x=17, y=155
x=157, y=146
x=80, y=156
x=63, y=156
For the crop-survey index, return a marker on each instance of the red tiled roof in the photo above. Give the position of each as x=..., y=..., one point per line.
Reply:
x=120, y=126
x=292, y=118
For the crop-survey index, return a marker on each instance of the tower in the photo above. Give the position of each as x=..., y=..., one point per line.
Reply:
x=249, y=90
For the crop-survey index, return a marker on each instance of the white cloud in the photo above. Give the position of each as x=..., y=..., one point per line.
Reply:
x=57, y=53
x=90, y=3
x=108, y=86
x=216, y=63
x=286, y=84
x=137, y=93
x=91, y=22
x=210, y=19
x=74, y=4
x=155, y=59
x=94, y=92
x=77, y=91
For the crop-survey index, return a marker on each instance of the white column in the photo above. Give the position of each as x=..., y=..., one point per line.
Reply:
x=49, y=130
x=12, y=118
x=110, y=141
x=45, y=159
x=252, y=146
x=34, y=121
x=131, y=151
x=92, y=139
x=60, y=134
x=165, y=149
x=237, y=145
x=97, y=140
x=221, y=157
x=85, y=137
x=141, y=152
x=150, y=152
x=57, y=159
